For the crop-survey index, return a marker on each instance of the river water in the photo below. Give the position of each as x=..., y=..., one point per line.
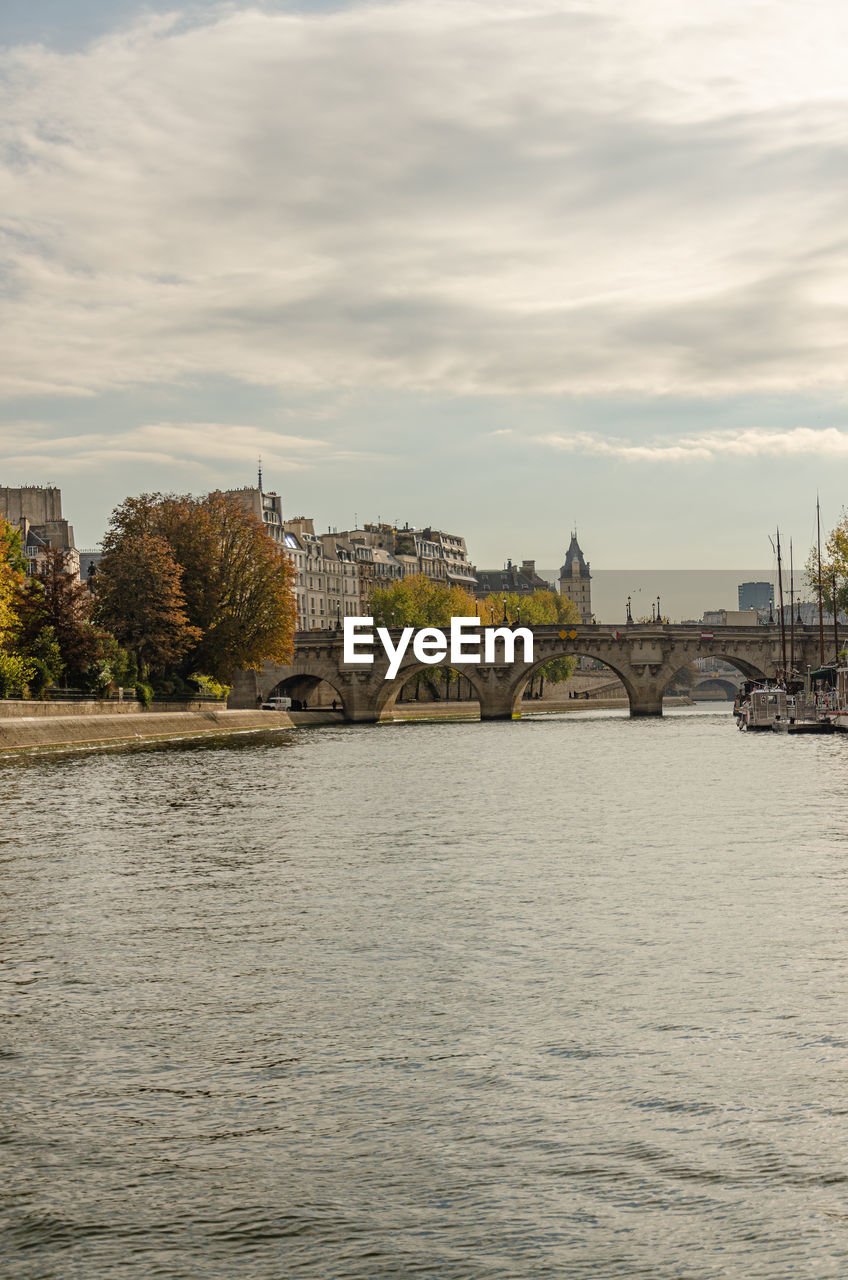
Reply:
x=564, y=997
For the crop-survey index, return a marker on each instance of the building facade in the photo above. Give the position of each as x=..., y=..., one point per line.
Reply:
x=37, y=512
x=756, y=595
x=511, y=580
x=404, y=551
x=327, y=575
x=267, y=507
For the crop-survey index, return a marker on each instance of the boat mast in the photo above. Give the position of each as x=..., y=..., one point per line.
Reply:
x=782, y=618
x=835, y=626
x=791, y=609
x=821, y=618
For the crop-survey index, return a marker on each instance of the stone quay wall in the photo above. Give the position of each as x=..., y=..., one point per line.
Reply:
x=33, y=725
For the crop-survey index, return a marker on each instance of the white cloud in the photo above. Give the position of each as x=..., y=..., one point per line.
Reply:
x=753, y=442
x=38, y=446
x=456, y=195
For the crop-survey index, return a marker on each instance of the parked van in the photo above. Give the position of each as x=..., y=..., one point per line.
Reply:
x=277, y=704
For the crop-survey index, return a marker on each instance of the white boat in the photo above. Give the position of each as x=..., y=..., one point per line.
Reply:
x=764, y=705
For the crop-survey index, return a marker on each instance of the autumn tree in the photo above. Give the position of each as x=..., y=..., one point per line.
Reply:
x=240, y=593
x=54, y=599
x=232, y=587
x=139, y=599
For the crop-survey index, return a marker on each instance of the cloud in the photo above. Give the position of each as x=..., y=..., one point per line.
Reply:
x=183, y=445
x=753, y=442
x=509, y=196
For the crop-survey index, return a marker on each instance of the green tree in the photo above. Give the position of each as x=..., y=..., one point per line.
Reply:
x=541, y=609
x=15, y=674
x=11, y=578
x=55, y=613
x=834, y=562
x=418, y=601
x=15, y=670
x=44, y=658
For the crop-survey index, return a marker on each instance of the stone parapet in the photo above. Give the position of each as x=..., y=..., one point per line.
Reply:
x=12, y=708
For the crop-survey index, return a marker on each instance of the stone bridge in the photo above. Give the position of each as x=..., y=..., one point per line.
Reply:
x=645, y=657
x=717, y=684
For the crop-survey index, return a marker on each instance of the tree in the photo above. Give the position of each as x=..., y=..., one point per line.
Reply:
x=56, y=631
x=231, y=594
x=55, y=599
x=834, y=562
x=418, y=601
x=542, y=608
x=44, y=661
x=240, y=592
x=140, y=600
x=15, y=670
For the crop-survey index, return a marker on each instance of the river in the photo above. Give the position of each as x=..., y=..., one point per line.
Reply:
x=564, y=997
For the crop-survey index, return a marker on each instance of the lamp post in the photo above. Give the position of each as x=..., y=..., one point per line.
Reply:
x=504, y=610
x=629, y=614
x=659, y=615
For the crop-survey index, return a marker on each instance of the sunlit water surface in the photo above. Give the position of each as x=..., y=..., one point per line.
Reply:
x=564, y=997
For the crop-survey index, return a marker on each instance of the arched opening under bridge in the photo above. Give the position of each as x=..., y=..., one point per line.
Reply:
x=601, y=683
x=418, y=686
x=309, y=693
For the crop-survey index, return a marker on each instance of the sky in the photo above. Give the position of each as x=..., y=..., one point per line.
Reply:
x=502, y=267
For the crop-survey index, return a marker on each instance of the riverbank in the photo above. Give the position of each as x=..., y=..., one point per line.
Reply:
x=29, y=726
x=59, y=727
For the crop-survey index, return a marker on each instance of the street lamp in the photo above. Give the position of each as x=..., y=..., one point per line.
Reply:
x=629, y=614
x=504, y=610
x=659, y=615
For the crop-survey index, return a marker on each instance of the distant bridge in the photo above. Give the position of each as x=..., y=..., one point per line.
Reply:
x=717, y=684
x=645, y=657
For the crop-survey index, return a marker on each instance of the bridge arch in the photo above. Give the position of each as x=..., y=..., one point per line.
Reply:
x=749, y=670
x=713, y=687
x=389, y=690
x=299, y=685
x=527, y=673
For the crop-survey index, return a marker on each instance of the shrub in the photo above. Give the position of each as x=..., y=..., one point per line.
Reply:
x=144, y=693
x=209, y=688
x=15, y=672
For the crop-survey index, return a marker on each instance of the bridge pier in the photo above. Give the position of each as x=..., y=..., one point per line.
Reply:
x=646, y=704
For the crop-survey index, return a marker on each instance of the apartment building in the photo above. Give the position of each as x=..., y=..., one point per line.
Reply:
x=37, y=511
